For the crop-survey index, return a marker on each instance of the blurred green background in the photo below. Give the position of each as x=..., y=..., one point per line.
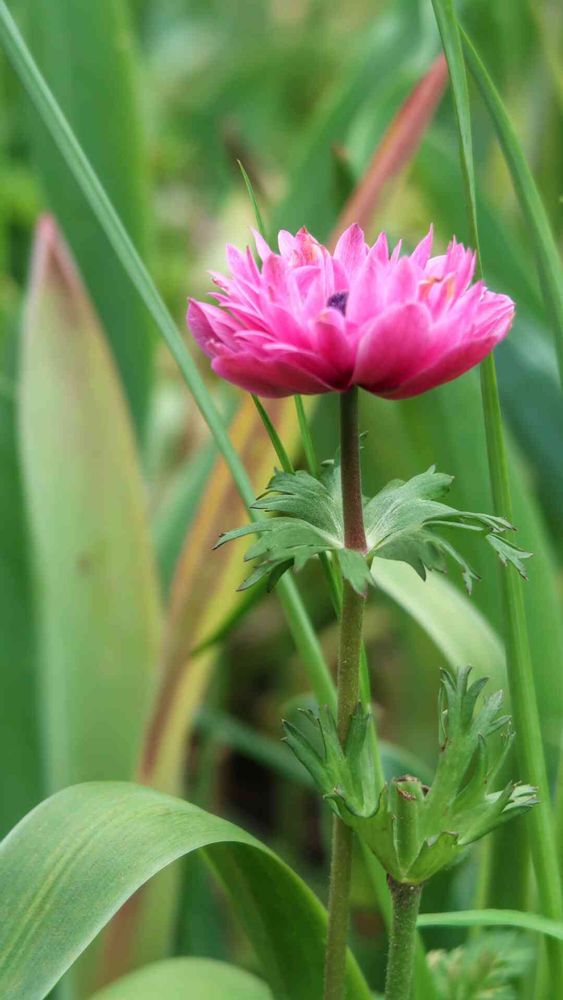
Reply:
x=110, y=495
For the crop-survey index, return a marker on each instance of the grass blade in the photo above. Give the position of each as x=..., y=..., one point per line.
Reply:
x=535, y=216
x=85, y=51
x=520, y=671
x=494, y=918
x=195, y=611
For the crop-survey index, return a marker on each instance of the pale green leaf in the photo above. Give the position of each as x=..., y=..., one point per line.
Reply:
x=196, y=978
x=96, y=594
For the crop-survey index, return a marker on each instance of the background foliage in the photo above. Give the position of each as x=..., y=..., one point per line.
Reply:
x=126, y=652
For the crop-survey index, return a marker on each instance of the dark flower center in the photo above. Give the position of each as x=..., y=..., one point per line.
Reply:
x=338, y=301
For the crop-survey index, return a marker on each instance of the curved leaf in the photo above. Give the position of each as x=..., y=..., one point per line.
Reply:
x=72, y=862
x=449, y=618
x=196, y=978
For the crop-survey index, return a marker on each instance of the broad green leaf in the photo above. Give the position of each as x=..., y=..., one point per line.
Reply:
x=96, y=596
x=86, y=54
x=72, y=862
x=194, y=614
x=196, y=978
x=452, y=621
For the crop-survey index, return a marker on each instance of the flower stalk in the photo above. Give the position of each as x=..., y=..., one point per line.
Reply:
x=351, y=623
x=402, y=939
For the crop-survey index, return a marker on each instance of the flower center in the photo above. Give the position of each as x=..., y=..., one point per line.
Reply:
x=338, y=301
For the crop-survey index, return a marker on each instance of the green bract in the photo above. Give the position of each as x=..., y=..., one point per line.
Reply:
x=400, y=524
x=413, y=829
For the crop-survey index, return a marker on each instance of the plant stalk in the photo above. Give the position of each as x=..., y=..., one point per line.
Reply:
x=402, y=940
x=348, y=689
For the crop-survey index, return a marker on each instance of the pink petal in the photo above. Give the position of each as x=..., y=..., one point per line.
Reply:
x=351, y=249
x=422, y=252
x=261, y=245
x=286, y=243
x=367, y=290
x=211, y=326
x=270, y=379
x=380, y=249
x=391, y=347
x=450, y=366
x=402, y=282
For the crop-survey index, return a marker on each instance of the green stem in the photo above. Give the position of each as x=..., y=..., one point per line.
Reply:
x=402, y=940
x=348, y=687
x=306, y=438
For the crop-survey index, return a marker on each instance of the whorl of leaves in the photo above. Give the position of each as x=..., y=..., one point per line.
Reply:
x=405, y=521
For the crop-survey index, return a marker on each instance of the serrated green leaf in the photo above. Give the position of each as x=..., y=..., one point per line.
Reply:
x=400, y=523
x=509, y=553
x=416, y=831
x=355, y=569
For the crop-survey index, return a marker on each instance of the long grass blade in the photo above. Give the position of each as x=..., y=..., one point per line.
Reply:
x=494, y=918
x=520, y=670
x=85, y=51
x=537, y=222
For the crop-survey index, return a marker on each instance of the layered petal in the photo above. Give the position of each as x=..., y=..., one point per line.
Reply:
x=305, y=320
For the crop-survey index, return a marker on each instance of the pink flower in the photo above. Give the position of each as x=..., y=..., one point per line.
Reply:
x=308, y=321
